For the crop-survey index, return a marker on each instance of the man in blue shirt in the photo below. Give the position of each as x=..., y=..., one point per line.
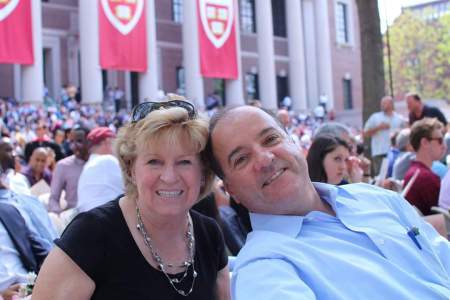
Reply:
x=317, y=241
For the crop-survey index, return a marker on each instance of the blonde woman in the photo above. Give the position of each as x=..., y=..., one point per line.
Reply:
x=147, y=244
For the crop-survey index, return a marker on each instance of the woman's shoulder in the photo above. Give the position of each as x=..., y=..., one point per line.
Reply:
x=202, y=220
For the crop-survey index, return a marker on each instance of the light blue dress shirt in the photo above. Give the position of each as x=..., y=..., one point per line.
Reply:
x=34, y=214
x=364, y=252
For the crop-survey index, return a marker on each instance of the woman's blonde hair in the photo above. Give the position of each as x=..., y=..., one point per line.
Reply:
x=170, y=124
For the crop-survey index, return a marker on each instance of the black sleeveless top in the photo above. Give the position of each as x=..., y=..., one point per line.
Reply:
x=100, y=243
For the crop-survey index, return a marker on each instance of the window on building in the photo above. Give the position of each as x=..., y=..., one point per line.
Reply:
x=247, y=13
x=279, y=18
x=181, y=82
x=251, y=86
x=342, y=32
x=282, y=89
x=348, y=96
x=177, y=11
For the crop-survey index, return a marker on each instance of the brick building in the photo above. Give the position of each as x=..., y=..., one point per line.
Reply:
x=315, y=43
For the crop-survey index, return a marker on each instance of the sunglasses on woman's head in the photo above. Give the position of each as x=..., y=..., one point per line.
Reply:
x=144, y=108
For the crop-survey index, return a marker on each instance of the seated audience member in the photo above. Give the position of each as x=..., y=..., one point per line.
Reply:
x=393, y=153
x=42, y=140
x=51, y=159
x=100, y=180
x=233, y=219
x=37, y=167
x=21, y=251
x=359, y=166
x=426, y=138
x=31, y=208
x=444, y=194
x=315, y=240
x=327, y=160
x=405, y=156
x=15, y=181
x=67, y=172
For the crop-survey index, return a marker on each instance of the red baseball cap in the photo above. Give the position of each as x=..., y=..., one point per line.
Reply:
x=99, y=134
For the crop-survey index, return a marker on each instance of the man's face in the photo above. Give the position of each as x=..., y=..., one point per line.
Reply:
x=79, y=144
x=386, y=104
x=38, y=161
x=412, y=104
x=7, y=160
x=263, y=167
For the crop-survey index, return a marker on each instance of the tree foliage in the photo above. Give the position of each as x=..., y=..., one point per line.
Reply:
x=420, y=55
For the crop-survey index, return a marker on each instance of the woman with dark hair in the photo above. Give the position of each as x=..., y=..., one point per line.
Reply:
x=327, y=160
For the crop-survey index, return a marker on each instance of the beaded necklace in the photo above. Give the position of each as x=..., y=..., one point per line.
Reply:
x=188, y=264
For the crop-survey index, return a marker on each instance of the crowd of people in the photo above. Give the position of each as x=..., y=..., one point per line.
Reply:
x=117, y=201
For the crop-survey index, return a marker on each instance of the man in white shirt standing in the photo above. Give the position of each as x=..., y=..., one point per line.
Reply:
x=101, y=179
x=379, y=127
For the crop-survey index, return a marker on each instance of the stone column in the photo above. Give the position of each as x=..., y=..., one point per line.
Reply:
x=266, y=59
x=312, y=84
x=234, y=88
x=148, y=81
x=296, y=47
x=191, y=55
x=91, y=73
x=33, y=75
x=324, y=51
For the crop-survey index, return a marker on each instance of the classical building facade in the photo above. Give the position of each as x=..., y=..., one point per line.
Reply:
x=308, y=50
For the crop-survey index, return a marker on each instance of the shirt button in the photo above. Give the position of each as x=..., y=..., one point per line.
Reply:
x=381, y=241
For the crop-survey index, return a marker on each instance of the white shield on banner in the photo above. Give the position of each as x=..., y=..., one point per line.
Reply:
x=123, y=14
x=217, y=20
x=6, y=8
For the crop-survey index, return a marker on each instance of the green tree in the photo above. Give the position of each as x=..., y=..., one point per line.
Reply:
x=418, y=55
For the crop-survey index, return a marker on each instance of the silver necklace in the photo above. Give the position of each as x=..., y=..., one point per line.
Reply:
x=187, y=265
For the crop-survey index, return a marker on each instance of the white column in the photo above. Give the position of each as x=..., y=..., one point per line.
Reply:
x=33, y=75
x=310, y=54
x=266, y=59
x=148, y=81
x=324, y=50
x=234, y=88
x=296, y=48
x=191, y=55
x=91, y=73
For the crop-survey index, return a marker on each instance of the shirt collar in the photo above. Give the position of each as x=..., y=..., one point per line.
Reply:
x=291, y=225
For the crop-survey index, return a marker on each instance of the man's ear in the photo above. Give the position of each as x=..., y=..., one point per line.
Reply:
x=229, y=189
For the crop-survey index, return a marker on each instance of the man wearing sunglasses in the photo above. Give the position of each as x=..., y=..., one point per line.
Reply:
x=426, y=138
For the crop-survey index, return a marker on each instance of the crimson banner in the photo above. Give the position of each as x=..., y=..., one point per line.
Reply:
x=217, y=38
x=16, y=39
x=123, y=35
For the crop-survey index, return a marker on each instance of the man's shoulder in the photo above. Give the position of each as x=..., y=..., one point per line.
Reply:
x=66, y=161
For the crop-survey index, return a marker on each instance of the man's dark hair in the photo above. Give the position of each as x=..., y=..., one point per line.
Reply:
x=414, y=95
x=218, y=116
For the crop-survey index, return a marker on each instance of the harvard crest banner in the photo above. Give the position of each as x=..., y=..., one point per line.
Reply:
x=123, y=37
x=16, y=40
x=217, y=38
